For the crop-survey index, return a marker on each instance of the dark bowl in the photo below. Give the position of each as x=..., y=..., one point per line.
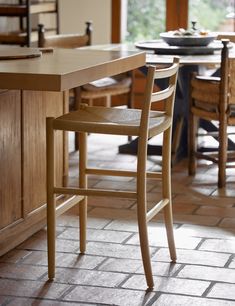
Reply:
x=175, y=40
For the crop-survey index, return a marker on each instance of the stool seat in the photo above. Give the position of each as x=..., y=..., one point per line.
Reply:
x=106, y=120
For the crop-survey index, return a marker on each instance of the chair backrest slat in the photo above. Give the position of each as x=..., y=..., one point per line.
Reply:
x=163, y=94
x=65, y=40
x=166, y=72
x=226, y=35
x=167, y=95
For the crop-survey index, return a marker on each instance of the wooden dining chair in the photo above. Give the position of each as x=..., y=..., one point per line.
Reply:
x=102, y=89
x=213, y=99
x=144, y=123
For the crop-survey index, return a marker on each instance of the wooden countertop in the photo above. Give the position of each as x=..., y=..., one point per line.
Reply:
x=63, y=69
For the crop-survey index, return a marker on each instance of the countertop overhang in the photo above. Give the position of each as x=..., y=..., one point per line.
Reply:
x=63, y=69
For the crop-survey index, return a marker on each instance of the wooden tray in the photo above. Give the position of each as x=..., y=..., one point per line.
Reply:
x=12, y=53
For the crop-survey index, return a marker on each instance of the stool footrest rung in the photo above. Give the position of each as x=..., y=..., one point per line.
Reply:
x=124, y=173
x=95, y=192
x=111, y=172
x=67, y=204
x=157, y=207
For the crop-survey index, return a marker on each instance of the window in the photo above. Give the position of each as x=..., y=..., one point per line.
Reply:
x=143, y=19
x=135, y=20
x=214, y=15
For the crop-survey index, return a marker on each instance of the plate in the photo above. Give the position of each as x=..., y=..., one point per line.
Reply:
x=200, y=40
x=160, y=47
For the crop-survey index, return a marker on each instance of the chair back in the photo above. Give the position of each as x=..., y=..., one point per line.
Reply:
x=65, y=40
x=230, y=79
x=166, y=95
x=214, y=95
x=227, y=84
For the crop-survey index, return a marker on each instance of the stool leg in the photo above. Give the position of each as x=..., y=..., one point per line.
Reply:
x=166, y=191
x=223, y=147
x=192, y=140
x=51, y=225
x=108, y=102
x=142, y=211
x=83, y=184
x=77, y=103
x=144, y=244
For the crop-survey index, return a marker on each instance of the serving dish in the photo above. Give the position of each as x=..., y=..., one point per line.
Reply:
x=187, y=40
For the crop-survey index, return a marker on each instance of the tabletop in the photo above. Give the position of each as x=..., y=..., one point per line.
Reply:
x=63, y=69
x=152, y=58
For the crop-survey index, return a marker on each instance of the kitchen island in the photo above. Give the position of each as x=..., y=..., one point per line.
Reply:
x=31, y=90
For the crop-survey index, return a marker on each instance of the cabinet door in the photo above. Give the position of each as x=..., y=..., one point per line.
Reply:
x=10, y=158
x=23, y=161
x=36, y=107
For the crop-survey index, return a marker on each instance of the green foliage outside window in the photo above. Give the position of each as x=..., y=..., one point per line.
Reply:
x=146, y=18
x=210, y=14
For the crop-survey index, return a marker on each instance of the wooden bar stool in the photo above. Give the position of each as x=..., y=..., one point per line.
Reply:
x=142, y=123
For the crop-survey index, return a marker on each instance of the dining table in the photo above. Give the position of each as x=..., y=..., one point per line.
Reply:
x=203, y=60
x=35, y=84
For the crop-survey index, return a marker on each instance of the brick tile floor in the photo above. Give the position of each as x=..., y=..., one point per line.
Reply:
x=111, y=272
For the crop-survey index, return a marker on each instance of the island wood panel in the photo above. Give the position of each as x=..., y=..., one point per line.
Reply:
x=23, y=161
x=10, y=162
x=36, y=107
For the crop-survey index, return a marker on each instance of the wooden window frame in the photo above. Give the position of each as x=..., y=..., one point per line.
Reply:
x=176, y=14
x=176, y=17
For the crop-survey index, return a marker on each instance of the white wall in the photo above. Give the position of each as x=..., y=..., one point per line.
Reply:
x=74, y=14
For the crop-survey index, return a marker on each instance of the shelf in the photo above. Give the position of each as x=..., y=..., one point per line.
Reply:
x=47, y=7
x=14, y=10
x=24, y=11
